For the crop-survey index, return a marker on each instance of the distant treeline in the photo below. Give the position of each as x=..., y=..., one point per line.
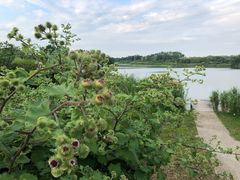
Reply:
x=179, y=59
x=12, y=56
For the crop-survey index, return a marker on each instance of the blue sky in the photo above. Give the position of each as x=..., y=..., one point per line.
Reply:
x=128, y=27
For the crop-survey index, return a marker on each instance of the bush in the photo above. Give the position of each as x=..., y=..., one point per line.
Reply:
x=229, y=100
x=82, y=120
x=214, y=98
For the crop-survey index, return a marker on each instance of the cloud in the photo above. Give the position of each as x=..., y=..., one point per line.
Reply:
x=130, y=27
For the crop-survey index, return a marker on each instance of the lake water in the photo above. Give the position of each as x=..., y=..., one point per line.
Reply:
x=215, y=79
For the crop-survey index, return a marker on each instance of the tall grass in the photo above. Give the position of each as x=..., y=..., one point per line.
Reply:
x=229, y=101
x=214, y=98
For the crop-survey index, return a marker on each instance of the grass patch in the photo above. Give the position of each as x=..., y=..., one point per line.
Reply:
x=232, y=123
x=187, y=129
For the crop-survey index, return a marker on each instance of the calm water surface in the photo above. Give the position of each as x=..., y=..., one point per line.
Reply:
x=215, y=79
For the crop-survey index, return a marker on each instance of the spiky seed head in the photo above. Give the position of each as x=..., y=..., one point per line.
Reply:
x=52, y=124
x=11, y=75
x=41, y=28
x=99, y=99
x=20, y=87
x=20, y=36
x=99, y=83
x=15, y=82
x=75, y=143
x=65, y=149
x=54, y=27
x=73, y=55
x=57, y=172
x=42, y=122
x=36, y=29
x=48, y=25
x=37, y=35
x=4, y=83
x=49, y=35
x=10, y=35
x=83, y=151
x=107, y=94
x=53, y=163
x=86, y=83
x=15, y=30
x=62, y=139
x=28, y=40
x=72, y=162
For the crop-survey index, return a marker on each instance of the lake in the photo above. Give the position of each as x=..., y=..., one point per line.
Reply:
x=215, y=79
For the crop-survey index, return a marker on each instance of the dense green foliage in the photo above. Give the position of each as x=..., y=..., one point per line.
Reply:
x=231, y=122
x=75, y=117
x=12, y=57
x=177, y=59
x=229, y=101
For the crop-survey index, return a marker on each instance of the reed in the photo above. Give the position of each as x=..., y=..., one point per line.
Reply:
x=229, y=101
x=214, y=98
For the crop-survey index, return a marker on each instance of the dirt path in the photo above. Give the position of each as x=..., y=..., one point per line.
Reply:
x=208, y=125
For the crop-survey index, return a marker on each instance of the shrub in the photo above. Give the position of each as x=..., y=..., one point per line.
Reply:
x=229, y=100
x=82, y=120
x=214, y=98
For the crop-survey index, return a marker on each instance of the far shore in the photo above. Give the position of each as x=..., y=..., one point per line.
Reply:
x=172, y=65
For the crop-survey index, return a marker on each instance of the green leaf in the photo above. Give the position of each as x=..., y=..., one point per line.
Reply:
x=92, y=144
x=60, y=90
x=140, y=175
x=40, y=156
x=115, y=167
x=27, y=176
x=75, y=114
x=37, y=109
x=6, y=176
x=22, y=159
x=122, y=138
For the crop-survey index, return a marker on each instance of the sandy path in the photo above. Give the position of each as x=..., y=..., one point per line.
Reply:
x=208, y=125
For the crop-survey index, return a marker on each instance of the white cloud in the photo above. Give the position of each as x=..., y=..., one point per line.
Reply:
x=164, y=16
x=6, y=2
x=137, y=26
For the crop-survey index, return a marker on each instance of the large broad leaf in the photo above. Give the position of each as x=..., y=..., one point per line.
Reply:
x=21, y=73
x=115, y=167
x=22, y=159
x=140, y=175
x=6, y=176
x=122, y=138
x=60, y=90
x=27, y=176
x=75, y=114
x=129, y=156
x=37, y=109
x=40, y=156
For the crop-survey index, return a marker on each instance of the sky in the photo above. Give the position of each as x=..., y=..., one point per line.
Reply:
x=129, y=27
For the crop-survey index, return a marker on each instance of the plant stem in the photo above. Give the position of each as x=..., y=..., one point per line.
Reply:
x=6, y=100
x=21, y=148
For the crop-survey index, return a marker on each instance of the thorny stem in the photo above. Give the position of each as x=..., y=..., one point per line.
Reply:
x=6, y=100
x=21, y=148
x=66, y=103
x=118, y=119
